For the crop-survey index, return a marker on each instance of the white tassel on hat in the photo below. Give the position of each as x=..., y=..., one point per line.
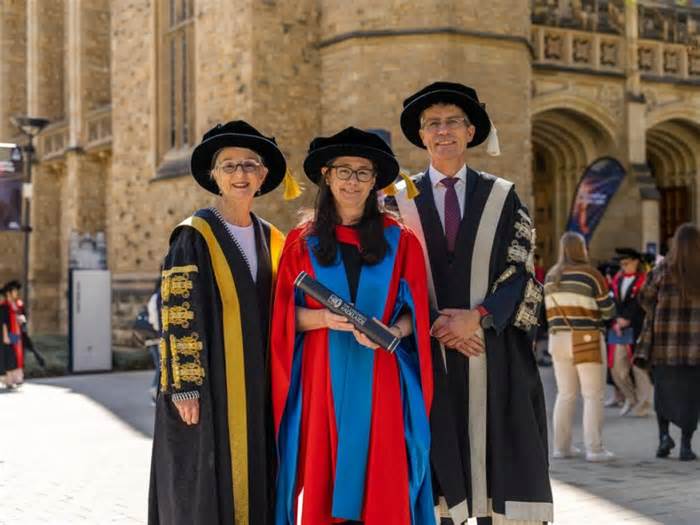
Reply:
x=493, y=147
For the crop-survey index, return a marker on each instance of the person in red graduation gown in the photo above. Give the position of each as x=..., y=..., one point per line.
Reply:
x=12, y=353
x=351, y=420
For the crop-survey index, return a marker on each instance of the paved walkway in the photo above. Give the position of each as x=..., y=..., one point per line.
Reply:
x=635, y=488
x=78, y=451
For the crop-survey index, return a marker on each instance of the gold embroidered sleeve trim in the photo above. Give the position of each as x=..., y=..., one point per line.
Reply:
x=163, y=350
x=190, y=371
x=526, y=316
x=176, y=315
x=507, y=274
x=188, y=345
x=190, y=268
x=517, y=253
x=176, y=281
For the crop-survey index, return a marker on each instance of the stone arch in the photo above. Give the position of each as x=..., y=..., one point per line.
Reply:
x=673, y=155
x=681, y=110
x=587, y=109
x=565, y=141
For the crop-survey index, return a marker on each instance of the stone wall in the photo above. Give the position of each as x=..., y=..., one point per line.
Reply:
x=286, y=90
x=46, y=61
x=13, y=59
x=138, y=211
x=382, y=71
x=96, y=53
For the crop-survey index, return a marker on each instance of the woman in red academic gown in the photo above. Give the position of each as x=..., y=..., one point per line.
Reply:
x=351, y=420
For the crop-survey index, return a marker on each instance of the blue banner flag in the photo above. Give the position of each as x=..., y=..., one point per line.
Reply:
x=597, y=186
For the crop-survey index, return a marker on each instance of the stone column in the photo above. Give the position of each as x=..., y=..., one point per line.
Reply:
x=635, y=120
x=13, y=65
x=84, y=182
x=45, y=88
x=13, y=101
x=46, y=249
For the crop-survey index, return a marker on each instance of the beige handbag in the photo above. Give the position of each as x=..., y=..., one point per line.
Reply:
x=585, y=344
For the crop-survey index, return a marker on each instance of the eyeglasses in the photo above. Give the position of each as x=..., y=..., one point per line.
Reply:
x=247, y=166
x=346, y=173
x=451, y=123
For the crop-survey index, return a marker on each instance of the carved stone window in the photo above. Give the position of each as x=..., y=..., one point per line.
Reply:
x=176, y=67
x=646, y=58
x=694, y=64
x=671, y=61
x=608, y=54
x=553, y=46
x=582, y=50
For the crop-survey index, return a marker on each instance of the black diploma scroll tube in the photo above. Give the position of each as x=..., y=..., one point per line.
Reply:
x=374, y=331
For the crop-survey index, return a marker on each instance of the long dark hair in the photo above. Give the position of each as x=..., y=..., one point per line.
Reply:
x=373, y=245
x=683, y=261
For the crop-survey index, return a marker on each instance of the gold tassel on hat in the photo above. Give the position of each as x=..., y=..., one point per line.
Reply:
x=291, y=187
x=390, y=190
x=411, y=189
x=493, y=147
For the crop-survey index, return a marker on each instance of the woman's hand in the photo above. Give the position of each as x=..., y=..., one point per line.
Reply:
x=364, y=340
x=336, y=322
x=316, y=319
x=188, y=410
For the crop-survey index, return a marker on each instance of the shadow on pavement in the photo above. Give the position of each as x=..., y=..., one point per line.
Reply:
x=125, y=394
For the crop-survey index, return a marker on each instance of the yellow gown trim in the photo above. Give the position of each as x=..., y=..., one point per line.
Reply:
x=276, y=245
x=235, y=370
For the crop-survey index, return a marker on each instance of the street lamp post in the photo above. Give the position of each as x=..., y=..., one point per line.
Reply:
x=30, y=127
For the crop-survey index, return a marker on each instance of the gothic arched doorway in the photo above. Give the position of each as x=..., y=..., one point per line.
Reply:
x=564, y=143
x=672, y=155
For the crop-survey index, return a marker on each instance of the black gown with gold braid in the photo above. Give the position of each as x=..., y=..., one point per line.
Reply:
x=215, y=320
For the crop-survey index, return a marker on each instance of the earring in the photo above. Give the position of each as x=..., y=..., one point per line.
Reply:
x=258, y=193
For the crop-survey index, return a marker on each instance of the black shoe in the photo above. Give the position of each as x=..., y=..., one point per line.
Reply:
x=666, y=444
x=687, y=454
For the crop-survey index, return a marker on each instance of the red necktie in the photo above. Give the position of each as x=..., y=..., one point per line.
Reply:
x=453, y=215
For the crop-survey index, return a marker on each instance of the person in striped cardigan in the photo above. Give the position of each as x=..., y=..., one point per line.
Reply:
x=577, y=297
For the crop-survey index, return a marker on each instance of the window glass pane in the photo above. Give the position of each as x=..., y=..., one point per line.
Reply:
x=185, y=92
x=173, y=97
x=172, y=8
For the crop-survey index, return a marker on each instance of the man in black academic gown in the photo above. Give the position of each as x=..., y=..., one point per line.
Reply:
x=489, y=431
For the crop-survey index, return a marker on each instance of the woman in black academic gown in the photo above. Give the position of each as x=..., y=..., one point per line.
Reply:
x=213, y=450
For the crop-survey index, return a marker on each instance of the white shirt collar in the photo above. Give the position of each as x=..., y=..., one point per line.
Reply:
x=436, y=176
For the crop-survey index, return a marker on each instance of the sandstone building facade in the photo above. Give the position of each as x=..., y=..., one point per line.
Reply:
x=131, y=85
